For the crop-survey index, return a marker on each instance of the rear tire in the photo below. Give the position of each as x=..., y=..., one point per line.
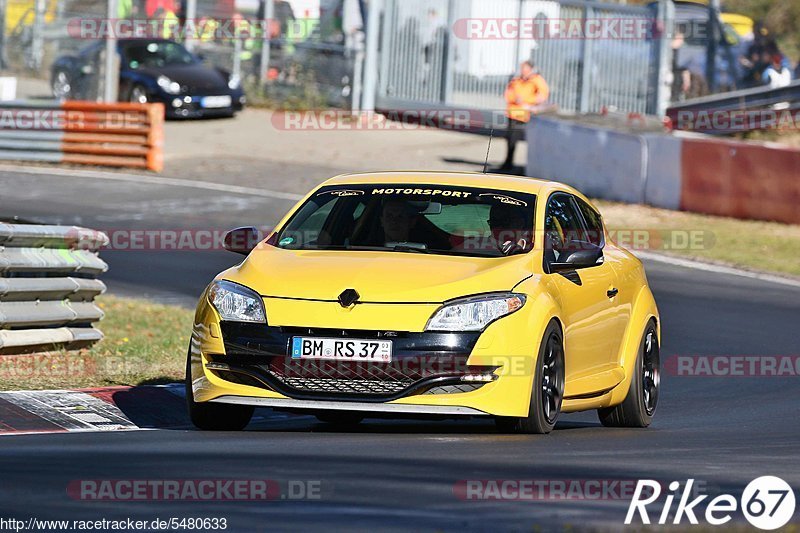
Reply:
x=639, y=406
x=214, y=416
x=138, y=94
x=61, y=85
x=547, y=392
x=339, y=418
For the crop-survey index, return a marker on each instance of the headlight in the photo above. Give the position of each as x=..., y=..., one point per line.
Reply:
x=234, y=82
x=236, y=302
x=475, y=313
x=172, y=87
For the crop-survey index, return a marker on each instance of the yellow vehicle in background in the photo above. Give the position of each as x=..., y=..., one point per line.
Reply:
x=741, y=24
x=21, y=13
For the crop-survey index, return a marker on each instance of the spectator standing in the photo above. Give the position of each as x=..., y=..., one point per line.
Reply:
x=777, y=74
x=523, y=94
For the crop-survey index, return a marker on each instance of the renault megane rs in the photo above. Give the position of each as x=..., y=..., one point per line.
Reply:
x=429, y=294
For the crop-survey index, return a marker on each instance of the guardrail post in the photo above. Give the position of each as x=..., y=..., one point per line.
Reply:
x=111, y=63
x=586, y=62
x=155, y=137
x=3, y=55
x=37, y=38
x=268, y=9
x=190, y=13
x=662, y=73
x=448, y=63
x=370, y=87
x=358, y=71
x=714, y=35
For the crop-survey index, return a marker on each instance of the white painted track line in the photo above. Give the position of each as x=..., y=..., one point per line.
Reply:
x=152, y=180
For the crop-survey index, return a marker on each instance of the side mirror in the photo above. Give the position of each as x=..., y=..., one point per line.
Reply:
x=242, y=240
x=586, y=255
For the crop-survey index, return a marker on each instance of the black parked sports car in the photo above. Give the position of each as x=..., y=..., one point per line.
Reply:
x=153, y=70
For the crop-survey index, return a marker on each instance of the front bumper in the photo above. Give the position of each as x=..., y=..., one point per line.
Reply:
x=250, y=364
x=189, y=106
x=361, y=407
x=423, y=363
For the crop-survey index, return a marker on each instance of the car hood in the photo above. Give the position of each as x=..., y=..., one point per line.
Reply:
x=387, y=277
x=194, y=77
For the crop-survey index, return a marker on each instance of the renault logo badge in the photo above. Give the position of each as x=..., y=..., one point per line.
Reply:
x=348, y=297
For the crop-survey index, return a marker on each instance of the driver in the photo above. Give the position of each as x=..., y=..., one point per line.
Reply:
x=398, y=219
x=508, y=226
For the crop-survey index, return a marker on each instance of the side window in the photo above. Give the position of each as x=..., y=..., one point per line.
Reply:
x=562, y=227
x=594, y=223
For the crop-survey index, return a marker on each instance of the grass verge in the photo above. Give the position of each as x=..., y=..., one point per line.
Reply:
x=144, y=344
x=752, y=245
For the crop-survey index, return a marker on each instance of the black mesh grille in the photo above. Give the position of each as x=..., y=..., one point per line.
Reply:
x=454, y=389
x=344, y=386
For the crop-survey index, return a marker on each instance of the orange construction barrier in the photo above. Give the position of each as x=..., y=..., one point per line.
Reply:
x=91, y=133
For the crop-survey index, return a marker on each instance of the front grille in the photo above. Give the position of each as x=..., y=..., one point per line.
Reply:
x=421, y=362
x=345, y=386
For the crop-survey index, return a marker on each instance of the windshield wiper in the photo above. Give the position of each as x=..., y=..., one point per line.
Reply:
x=408, y=247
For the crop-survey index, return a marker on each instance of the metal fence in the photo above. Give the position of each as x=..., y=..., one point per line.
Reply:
x=426, y=62
x=47, y=287
x=37, y=32
x=312, y=58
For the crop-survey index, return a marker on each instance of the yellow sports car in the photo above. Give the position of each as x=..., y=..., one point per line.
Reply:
x=430, y=294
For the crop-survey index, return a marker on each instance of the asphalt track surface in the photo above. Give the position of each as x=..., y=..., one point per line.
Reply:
x=401, y=475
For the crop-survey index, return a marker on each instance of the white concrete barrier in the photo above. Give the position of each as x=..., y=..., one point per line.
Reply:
x=607, y=163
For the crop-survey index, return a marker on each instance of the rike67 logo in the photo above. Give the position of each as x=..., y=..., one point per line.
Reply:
x=767, y=503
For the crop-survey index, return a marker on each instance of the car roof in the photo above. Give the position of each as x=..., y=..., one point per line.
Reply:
x=502, y=182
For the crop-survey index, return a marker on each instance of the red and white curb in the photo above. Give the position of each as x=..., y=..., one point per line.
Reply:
x=110, y=409
x=102, y=409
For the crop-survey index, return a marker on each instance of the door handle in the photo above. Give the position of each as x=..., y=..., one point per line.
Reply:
x=611, y=293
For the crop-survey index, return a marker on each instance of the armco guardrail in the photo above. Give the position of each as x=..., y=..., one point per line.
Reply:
x=91, y=133
x=48, y=285
x=739, y=111
x=687, y=171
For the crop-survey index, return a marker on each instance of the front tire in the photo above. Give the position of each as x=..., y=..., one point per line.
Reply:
x=547, y=392
x=639, y=406
x=214, y=416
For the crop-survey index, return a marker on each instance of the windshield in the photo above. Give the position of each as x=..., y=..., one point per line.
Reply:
x=156, y=54
x=433, y=219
